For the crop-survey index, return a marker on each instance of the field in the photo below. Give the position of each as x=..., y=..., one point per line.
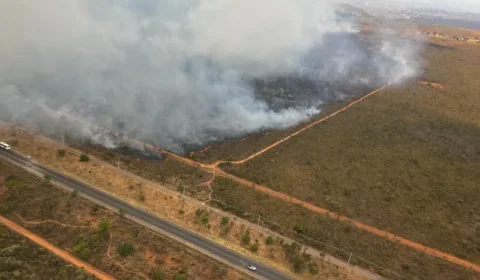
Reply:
x=23, y=259
x=220, y=227
x=389, y=259
x=108, y=241
x=405, y=160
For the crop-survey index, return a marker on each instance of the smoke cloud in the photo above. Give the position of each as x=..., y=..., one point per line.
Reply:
x=184, y=73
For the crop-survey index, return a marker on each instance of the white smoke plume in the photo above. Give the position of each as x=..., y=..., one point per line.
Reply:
x=181, y=73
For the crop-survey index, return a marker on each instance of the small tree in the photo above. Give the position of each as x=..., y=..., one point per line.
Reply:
x=61, y=153
x=125, y=249
x=84, y=158
x=225, y=221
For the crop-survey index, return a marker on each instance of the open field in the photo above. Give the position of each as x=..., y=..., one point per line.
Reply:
x=22, y=259
x=108, y=241
x=405, y=160
x=173, y=207
x=334, y=237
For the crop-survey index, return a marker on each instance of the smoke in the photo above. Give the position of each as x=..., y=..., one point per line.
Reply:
x=184, y=73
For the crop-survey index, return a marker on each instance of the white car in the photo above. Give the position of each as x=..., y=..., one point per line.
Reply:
x=251, y=267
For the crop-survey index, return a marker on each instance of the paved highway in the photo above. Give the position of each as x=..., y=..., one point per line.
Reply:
x=183, y=235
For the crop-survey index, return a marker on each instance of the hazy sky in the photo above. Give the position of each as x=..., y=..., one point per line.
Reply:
x=452, y=5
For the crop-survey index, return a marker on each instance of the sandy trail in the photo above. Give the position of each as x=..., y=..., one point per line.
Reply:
x=57, y=251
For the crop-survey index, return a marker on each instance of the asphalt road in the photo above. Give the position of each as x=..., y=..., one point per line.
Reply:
x=183, y=235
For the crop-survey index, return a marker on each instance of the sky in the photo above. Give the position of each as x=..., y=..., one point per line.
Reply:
x=472, y=6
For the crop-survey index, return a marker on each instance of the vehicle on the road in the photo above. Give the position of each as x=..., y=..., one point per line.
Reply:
x=5, y=146
x=251, y=267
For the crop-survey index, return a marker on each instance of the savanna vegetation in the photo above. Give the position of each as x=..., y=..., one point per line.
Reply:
x=115, y=245
x=22, y=259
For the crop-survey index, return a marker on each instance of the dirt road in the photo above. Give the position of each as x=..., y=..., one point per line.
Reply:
x=57, y=251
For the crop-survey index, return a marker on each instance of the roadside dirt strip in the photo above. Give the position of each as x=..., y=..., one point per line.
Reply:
x=57, y=251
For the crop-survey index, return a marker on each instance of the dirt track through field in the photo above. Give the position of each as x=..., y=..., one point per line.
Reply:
x=57, y=251
x=303, y=129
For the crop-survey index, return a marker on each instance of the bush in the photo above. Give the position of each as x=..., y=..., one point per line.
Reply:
x=205, y=220
x=84, y=158
x=157, y=274
x=246, y=237
x=82, y=250
x=254, y=247
x=125, y=249
x=181, y=212
x=225, y=221
x=199, y=212
x=299, y=228
x=61, y=153
x=313, y=268
x=269, y=240
x=103, y=227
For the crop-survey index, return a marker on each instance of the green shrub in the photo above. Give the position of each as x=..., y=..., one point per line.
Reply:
x=299, y=228
x=225, y=221
x=205, y=220
x=246, y=237
x=82, y=250
x=254, y=247
x=181, y=211
x=125, y=249
x=61, y=153
x=84, y=158
x=199, y=212
x=313, y=268
x=103, y=227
